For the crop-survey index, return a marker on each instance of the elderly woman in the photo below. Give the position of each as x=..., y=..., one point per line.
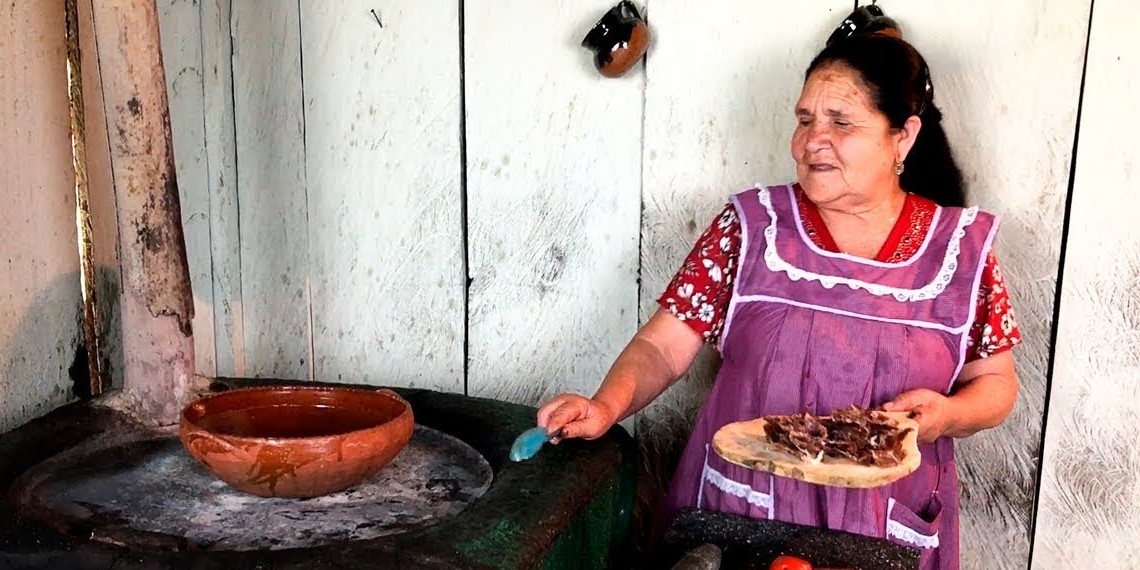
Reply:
x=866, y=282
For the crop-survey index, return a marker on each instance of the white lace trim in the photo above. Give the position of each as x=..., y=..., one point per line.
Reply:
x=740, y=490
x=911, y=536
x=907, y=534
x=931, y=290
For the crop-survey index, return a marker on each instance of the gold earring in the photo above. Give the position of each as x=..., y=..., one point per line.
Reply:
x=899, y=167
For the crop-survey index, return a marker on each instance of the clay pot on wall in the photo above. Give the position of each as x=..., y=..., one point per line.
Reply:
x=619, y=40
x=868, y=19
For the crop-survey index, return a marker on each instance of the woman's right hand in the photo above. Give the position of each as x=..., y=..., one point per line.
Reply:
x=577, y=416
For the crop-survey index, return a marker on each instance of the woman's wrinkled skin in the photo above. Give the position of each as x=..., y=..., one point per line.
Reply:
x=845, y=153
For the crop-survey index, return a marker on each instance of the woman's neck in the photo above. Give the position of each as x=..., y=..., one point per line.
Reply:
x=862, y=229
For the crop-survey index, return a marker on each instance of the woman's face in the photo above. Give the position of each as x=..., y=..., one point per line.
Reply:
x=844, y=148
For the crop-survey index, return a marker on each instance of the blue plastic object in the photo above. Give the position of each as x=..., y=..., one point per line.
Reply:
x=528, y=443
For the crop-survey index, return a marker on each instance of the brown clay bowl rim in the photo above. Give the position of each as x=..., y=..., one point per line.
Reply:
x=384, y=392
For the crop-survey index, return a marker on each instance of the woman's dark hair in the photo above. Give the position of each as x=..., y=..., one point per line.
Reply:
x=899, y=83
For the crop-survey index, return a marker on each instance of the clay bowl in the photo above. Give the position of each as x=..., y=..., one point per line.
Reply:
x=296, y=442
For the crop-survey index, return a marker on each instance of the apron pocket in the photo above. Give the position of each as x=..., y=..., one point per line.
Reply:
x=732, y=489
x=909, y=529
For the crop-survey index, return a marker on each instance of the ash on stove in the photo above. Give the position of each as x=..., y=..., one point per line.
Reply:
x=154, y=486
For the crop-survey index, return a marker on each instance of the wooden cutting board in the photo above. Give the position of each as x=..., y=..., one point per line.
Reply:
x=744, y=444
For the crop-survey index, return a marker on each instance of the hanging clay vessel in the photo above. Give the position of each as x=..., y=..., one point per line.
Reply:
x=868, y=19
x=619, y=40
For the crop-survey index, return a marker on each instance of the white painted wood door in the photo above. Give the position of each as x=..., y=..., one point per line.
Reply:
x=1090, y=482
x=40, y=305
x=553, y=187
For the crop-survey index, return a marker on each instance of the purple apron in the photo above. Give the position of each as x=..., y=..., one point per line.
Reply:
x=809, y=330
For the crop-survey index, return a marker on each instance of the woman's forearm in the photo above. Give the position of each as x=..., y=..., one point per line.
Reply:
x=658, y=355
x=982, y=403
x=637, y=377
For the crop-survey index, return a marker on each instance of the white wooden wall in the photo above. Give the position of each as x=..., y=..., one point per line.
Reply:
x=333, y=252
x=1090, y=486
x=553, y=189
x=1015, y=148
x=382, y=159
x=185, y=97
x=40, y=306
x=342, y=179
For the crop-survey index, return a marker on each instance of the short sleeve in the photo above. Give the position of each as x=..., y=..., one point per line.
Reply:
x=995, y=328
x=700, y=291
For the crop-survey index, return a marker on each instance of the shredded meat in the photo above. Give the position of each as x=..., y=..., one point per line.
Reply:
x=862, y=436
x=803, y=434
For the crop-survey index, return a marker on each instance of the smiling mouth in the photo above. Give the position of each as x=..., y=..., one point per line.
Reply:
x=821, y=168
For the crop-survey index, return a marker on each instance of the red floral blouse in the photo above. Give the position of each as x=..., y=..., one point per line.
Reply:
x=701, y=290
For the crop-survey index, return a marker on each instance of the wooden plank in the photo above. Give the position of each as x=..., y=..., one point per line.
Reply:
x=718, y=117
x=96, y=384
x=273, y=216
x=1014, y=147
x=40, y=303
x=221, y=158
x=553, y=180
x=104, y=219
x=1091, y=465
x=180, y=25
x=382, y=140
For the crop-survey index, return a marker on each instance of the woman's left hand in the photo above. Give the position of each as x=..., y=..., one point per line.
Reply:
x=934, y=412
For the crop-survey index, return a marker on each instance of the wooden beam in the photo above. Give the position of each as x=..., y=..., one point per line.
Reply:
x=83, y=204
x=157, y=305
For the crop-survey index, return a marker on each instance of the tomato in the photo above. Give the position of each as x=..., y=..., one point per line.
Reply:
x=790, y=563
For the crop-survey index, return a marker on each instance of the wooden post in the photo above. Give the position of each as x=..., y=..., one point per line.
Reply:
x=83, y=204
x=157, y=307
